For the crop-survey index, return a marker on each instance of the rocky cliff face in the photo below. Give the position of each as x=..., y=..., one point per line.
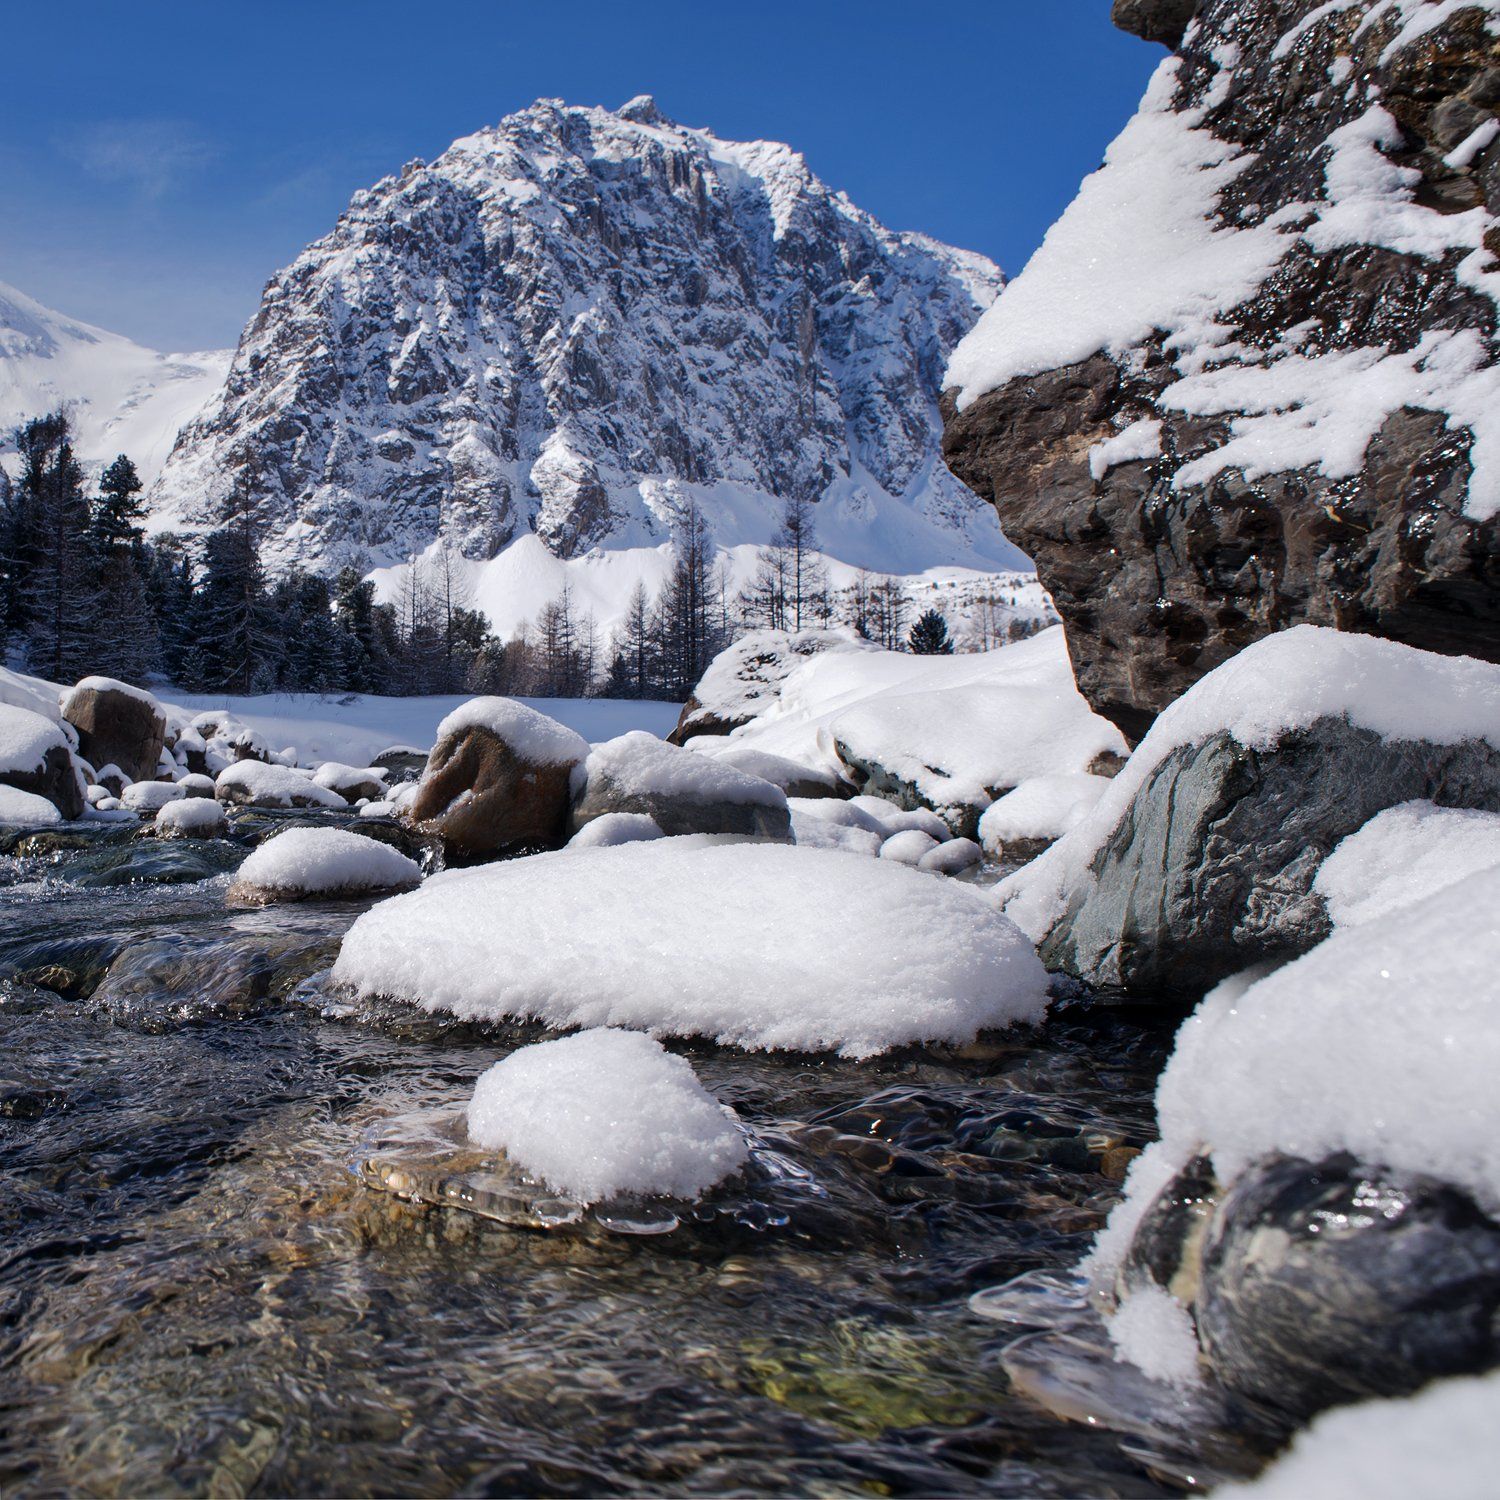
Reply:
x=577, y=321
x=1250, y=378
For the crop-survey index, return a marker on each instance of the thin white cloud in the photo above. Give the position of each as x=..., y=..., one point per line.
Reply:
x=151, y=157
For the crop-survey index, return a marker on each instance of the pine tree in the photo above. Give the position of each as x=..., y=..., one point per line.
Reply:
x=684, y=627
x=239, y=634
x=929, y=636
x=120, y=508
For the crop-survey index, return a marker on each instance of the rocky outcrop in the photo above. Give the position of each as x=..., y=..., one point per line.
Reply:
x=117, y=725
x=1316, y=1284
x=1211, y=868
x=575, y=323
x=1247, y=381
x=497, y=788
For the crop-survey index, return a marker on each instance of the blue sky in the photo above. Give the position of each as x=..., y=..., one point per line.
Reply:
x=162, y=159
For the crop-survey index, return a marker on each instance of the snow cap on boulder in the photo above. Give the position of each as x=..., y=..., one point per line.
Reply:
x=255, y=783
x=119, y=723
x=35, y=758
x=321, y=863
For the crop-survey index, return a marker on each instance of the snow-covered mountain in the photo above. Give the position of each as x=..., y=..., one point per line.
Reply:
x=567, y=327
x=122, y=398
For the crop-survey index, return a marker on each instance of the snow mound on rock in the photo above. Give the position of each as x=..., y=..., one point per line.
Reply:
x=616, y=828
x=1442, y=1441
x=1402, y=855
x=603, y=1113
x=1046, y=807
x=194, y=816
x=531, y=735
x=757, y=945
x=264, y=785
x=25, y=809
x=25, y=739
x=639, y=764
x=319, y=860
x=1282, y=683
x=150, y=796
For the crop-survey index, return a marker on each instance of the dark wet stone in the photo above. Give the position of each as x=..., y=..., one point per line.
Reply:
x=1168, y=1241
x=1329, y=1283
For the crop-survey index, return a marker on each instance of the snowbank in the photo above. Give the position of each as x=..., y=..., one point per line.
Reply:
x=1442, y=1441
x=958, y=729
x=756, y=945
x=262, y=785
x=324, y=861
x=25, y=739
x=604, y=1113
x=1284, y=682
x=1403, y=855
x=25, y=809
x=533, y=736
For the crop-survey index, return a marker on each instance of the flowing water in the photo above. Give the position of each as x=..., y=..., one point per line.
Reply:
x=243, y=1249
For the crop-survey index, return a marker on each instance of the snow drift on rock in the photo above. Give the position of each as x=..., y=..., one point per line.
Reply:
x=603, y=1113
x=25, y=809
x=756, y=945
x=311, y=861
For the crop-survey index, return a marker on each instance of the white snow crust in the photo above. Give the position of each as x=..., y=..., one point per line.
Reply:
x=812, y=832
x=616, y=828
x=193, y=815
x=1153, y=1331
x=639, y=764
x=25, y=808
x=757, y=945
x=1046, y=807
x=603, y=1113
x=908, y=847
x=25, y=739
x=150, y=796
x=312, y=860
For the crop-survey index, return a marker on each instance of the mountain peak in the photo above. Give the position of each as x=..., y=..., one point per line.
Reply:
x=642, y=110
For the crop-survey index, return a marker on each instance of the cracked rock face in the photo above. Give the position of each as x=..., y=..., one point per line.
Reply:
x=574, y=323
x=1250, y=380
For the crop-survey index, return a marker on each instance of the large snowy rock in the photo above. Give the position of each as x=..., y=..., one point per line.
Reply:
x=744, y=680
x=498, y=779
x=351, y=782
x=190, y=817
x=20, y=809
x=948, y=733
x=574, y=323
x=757, y=945
x=606, y=1113
x=35, y=758
x=117, y=724
x=1324, y=1201
x=1250, y=377
x=1200, y=857
x=681, y=792
x=254, y=783
x=325, y=864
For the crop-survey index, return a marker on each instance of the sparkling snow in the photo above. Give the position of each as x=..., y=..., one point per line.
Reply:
x=757, y=945
x=603, y=1113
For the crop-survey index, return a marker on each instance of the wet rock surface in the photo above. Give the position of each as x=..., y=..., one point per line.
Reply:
x=1211, y=868
x=1161, y=576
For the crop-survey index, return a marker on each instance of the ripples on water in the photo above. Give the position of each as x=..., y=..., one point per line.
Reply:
x=218, y=1273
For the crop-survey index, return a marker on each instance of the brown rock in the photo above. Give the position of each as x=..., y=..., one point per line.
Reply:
x=117, y=725
x=482, y=799
x=56, y=781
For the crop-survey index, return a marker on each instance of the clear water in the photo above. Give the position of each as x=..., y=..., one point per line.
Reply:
x=208, y=1285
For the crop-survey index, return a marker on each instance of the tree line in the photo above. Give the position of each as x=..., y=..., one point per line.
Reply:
x=83, y=591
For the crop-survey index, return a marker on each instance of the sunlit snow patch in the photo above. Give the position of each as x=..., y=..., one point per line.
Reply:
x=755, y=945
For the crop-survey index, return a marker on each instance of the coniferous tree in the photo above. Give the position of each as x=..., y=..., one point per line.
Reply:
x=686, y=631
x=929, y=636
x=120, y=507
x=238, y=631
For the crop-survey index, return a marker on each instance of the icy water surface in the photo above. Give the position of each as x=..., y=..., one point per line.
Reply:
x=214, y=1278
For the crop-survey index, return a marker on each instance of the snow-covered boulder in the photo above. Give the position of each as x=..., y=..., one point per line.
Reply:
x=616, y=828
x=744, y=680
x=117, y=723
x=324, y=864
x=909, y=847
x=112, y=779
x=225, y=740
x=400, y=762
x=681, y=791
x=1199, y=858
x=350, y=782
x=1442, y=1441
x=758, y=945
x=35, y=758
x=20, y=809
x=497, y=779
x=952, y=857
x=255, y=783
x=795, y=779
x=190, y=818
x=150, y=796
x=194, y=785
x=1023, y=822
x=812, y=832
x=1324, y=1201
x=606, y=1113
